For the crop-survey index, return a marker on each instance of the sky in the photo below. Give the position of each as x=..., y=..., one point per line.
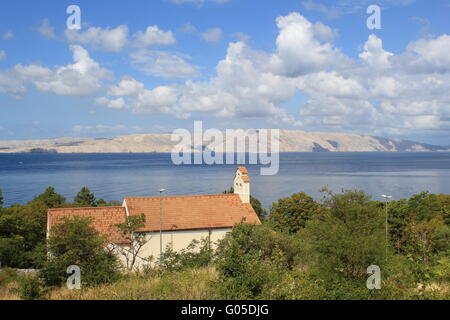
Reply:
x=142, y=66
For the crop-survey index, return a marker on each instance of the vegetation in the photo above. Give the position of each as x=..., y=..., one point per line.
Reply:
x=85, y=198
x=128, y=231
x=76, y=242
x=303, y=250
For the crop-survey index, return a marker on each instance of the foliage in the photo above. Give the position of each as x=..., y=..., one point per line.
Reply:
x=337, y=235
x=85, y=198
x=198, y=254
x=31, y=288
x=136, y=240
x=1, y=198
x=22, y=234
x=76, y=242
x=51, y=199
x=103, y=203
x=291, y=214
x=250, y=261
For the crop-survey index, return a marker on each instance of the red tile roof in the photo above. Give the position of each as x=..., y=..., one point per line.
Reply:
x=243, y=170
x=192, y=212
x=104, y=219
x=179, y=213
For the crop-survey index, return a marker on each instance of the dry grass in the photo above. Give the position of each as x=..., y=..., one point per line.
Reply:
x=9, y=291
x=185, y=285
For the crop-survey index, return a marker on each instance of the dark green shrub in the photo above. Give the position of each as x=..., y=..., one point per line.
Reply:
x=76, y=242
x=31, y=288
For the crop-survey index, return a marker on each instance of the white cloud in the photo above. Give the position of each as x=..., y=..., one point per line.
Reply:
x=84, y=77
x=163, y=64
x=430, y=54
x=118, y=103
x=240, y=36
x=127, y=87
x=374, y=54
x=153, y=36
x=188, y=28
x=301, y=49
x=46, y=30
x=97, y=38
x=212, y=35
x=8, y=35
x=9, y=84
x=2, y=55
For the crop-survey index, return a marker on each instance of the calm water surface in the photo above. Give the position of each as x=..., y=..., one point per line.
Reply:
x=114, y=176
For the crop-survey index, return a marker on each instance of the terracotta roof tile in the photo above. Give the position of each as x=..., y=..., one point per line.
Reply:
x=245, y=178
x=243, y=170
x=192, y=212
x=104, y=219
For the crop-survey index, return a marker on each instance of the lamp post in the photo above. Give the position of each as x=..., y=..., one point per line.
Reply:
x=387, y=197
x=161, y=224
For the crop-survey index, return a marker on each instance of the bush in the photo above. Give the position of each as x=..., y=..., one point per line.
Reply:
x=31, y=288
x=198, y=254
x=251, y=260
x=291, y=214
x=76, y=242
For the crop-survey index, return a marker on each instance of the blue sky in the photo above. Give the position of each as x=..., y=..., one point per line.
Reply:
x=154, y=66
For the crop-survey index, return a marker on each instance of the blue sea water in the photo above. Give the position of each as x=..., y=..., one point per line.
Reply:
x=114, y=176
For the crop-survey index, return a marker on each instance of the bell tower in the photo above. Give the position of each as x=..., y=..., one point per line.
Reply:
x=241, y=184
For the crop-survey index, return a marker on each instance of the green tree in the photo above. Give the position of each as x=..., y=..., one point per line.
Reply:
x=291, y=214
x=85, y=198
x=22, y=235
x=251, y=261
x=348, y=236
x=51, y=198
x=103, y=203
x=136, y=240
x=76, y=242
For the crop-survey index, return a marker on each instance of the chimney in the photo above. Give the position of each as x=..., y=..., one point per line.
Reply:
x=241, y=184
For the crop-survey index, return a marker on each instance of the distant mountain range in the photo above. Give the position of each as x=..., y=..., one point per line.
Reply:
x=290, y=141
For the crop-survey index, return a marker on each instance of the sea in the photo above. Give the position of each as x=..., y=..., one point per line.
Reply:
x=115, y=176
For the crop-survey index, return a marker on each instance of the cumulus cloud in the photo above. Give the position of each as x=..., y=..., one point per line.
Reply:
x=97, y=38
x=8, y=35
x=46, y=30
x=377, y=92
x=135, y=98
x=10, y=84
x=83, y=77
x=301, y=48
x=153, y=36
x=374, y=55
x=163, y=64
x=2, y=55
x=212, y=35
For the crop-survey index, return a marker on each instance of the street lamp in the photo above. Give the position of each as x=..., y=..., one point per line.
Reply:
x=387, y=197
x=161, y=224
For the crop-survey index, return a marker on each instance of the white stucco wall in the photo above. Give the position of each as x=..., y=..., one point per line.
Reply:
x=178, y=240
x=241, y=188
